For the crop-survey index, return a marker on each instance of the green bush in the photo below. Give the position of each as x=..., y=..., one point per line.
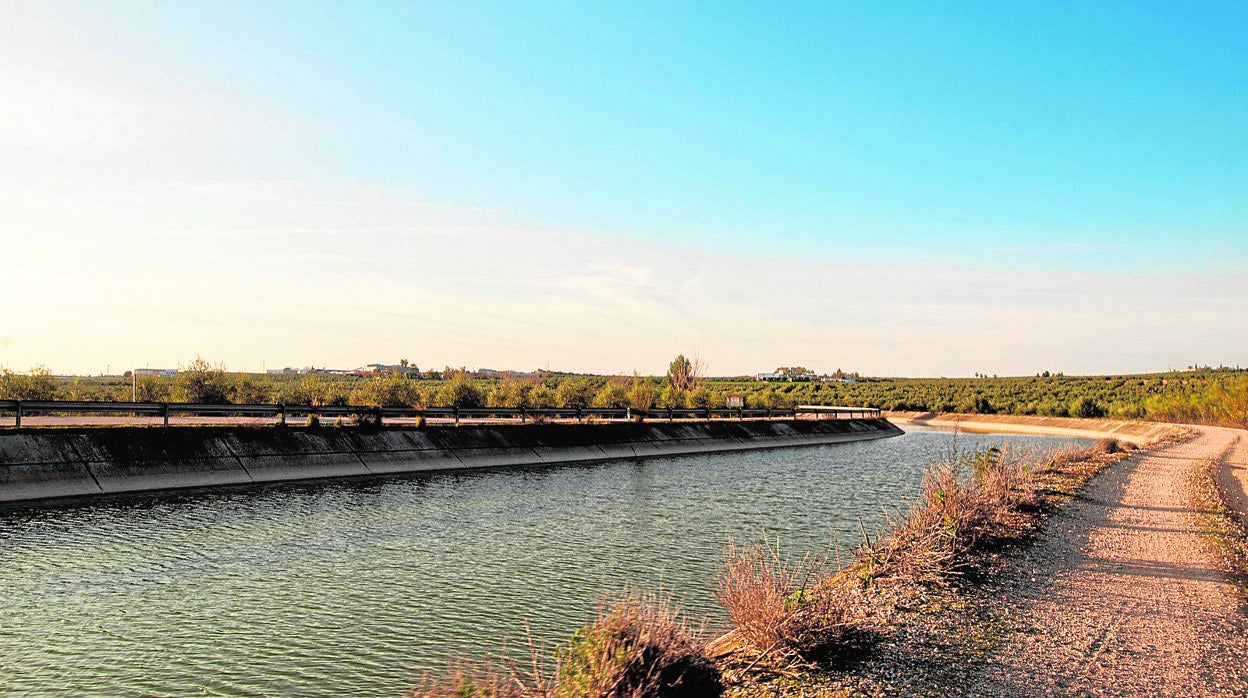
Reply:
x=389, y=391
x=202, y=383
x=460, y=391
x=1086, y=408
x=612, y=395
x=38, y=384
x=574, y=393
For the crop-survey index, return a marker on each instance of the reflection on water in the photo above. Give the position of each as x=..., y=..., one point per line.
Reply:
x=354, y=588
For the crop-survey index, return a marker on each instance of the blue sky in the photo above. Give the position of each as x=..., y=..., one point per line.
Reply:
x=933, y=189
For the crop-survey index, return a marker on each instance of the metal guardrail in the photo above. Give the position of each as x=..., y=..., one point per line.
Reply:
x=20, y=408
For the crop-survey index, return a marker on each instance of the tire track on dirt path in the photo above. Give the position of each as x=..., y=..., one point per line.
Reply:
x=1121, y=596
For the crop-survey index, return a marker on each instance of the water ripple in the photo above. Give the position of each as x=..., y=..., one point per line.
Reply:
x=355, y=588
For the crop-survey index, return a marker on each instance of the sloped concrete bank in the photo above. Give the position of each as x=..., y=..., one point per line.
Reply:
x=54, y=463
x=1134, y=432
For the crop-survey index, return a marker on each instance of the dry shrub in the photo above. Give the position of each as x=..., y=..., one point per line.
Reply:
x=954, y=514
x=638, y=649
x=922, y=545
x=488, y=680
x=766, y=597
x=1105, y=446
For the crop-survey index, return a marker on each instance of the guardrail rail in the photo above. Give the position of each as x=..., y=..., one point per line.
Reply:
x=378, y=414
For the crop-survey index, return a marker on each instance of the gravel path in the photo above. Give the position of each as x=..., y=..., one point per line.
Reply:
x=1121, y=595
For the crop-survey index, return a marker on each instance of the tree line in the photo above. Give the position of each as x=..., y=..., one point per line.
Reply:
x=1214, y=396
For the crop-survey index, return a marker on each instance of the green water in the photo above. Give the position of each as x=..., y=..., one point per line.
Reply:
x=354, y=588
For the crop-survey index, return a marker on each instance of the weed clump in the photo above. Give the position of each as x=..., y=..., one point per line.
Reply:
x=464, y=680
x=638, y=649
x=773, y=606
x=810, y=611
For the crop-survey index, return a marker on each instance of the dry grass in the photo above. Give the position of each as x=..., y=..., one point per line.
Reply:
x=769, y=599
x=968, y=503
x=464, y=680
x=638, y=649
x=1225, y=534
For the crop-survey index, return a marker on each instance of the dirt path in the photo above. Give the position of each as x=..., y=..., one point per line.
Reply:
x=1121, y=596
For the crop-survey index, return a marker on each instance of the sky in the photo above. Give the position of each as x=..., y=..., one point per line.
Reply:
x=898, y=189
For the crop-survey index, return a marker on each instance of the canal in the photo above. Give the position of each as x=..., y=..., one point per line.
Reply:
x=356, y=587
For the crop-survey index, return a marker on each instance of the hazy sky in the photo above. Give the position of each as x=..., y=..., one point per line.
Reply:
x=893, y=188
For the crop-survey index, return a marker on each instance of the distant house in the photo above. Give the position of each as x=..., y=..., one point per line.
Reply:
x=157, y=372
x=368, y=370
x=784, y=375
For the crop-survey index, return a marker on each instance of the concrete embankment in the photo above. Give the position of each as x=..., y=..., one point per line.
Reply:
x=1137, y=433
x=53, y=463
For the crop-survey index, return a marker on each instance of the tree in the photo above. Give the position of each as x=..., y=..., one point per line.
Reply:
x=38, y=384
x=541, y=396
x=203, y=382
x=575, y=393
x=684, y=374
x=391, y=391
x=460, y=391
x=699, y=398
x=613, y=394
x=642, y=394
x=1086, y=408
x=249, y=391
x=671, y=397
x=509, y=393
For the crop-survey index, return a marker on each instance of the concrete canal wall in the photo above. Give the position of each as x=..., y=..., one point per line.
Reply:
x=53, y=463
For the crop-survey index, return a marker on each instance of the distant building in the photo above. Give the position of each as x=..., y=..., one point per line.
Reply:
x=785, y=375
x=157, y=372
x=368, y=370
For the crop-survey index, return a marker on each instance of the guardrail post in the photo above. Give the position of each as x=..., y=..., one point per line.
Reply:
x=522, y=414
x=456, y=409
x=166, y=410
x=378, y=413
x=17, y=420
x=578, y=414
x=281, y=415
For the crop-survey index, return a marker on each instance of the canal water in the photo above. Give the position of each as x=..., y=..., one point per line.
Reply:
x=355, y=588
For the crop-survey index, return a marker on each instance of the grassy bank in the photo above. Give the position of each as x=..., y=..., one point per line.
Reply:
x=1224, y=532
